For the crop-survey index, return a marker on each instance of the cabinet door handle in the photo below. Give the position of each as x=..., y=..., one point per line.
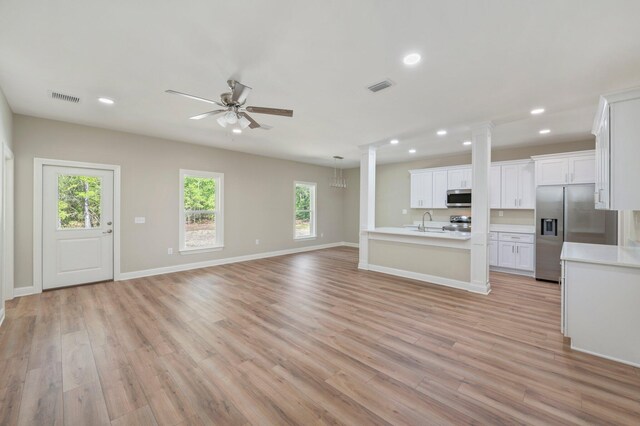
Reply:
x=517, y=249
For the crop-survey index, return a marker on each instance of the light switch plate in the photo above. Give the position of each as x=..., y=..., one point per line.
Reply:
x=404, y=211
x=140, y=220
x=500, y=213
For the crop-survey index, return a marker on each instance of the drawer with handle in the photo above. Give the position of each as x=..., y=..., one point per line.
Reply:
x=518, y=238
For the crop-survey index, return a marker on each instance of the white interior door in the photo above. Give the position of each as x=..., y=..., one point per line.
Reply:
x=77, y=226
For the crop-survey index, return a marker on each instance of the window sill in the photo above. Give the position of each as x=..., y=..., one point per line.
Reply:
x=313, y=237
x=200, y=250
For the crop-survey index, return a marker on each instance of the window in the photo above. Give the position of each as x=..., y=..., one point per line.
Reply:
x=304, y=223
x=201, y=221
x=79, y=201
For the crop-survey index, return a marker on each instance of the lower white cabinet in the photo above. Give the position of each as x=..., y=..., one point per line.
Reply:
x=524, y=257
x=493, y=253
x=506, y=252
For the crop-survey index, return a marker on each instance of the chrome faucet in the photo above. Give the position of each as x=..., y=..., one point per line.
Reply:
x=422, y=228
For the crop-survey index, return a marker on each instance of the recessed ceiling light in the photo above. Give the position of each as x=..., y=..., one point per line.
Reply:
x=467, y=143
x=442, y=132
x=106, y=101
x=537, y=111
x=544, y=131
x=412, y=151
x=237, y=131
x=394, y=141
x=412, y=59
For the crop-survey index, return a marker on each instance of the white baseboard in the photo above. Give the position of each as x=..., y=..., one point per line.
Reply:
x=448, y=282
x=511, y=271
x=611, y=358
x=24, y=291
x=225, y=261
x=2, y=311
x=355, y=245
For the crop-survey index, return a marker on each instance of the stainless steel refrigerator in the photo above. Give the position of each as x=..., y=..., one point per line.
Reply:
x=567, y=213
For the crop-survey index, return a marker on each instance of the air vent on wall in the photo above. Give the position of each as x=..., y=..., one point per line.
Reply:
x=67, y=98
x=380, y=86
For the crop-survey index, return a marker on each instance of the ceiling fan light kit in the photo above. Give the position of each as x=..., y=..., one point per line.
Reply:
x=233, y=107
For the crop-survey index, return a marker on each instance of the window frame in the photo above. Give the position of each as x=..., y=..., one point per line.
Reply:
x=313, y=212
x=218, y=212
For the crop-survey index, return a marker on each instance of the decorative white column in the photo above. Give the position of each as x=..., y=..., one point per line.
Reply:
x=481, y=166
x=367, y=201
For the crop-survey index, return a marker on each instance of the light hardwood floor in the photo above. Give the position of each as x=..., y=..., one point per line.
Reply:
x=301, y=339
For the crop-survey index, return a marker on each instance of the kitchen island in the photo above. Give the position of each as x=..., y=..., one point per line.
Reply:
x=600, y=299
x=434, y=256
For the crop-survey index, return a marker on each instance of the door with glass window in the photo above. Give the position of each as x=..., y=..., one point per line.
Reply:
x=77, y=226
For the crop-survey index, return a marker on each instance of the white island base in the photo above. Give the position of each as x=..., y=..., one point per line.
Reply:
x=435, y=257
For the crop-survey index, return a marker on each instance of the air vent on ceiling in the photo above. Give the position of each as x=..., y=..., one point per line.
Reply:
x=67, y=98
x=380, y=86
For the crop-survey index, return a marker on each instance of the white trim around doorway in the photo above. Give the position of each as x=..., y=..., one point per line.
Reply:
x=38, y=164
x=8, y=217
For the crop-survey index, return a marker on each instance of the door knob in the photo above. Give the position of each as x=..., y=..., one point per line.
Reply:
x=108, y=231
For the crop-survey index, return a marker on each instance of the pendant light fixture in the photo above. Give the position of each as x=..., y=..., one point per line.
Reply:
x=338, y=180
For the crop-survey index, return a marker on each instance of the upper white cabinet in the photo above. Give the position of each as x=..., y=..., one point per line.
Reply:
x=440, y=189
x=617, y=130
x=582, y=169
x=459, y=178
x=511, y=185
x=565, y=169
x=518, y=186
x=422, y=190
x=495, y=184
x=552, y=171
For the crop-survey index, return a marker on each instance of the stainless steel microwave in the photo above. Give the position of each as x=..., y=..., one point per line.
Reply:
x=459, y=198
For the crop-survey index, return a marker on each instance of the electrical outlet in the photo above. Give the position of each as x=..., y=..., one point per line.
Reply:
x=140, y=220
x=404, y=211
x=257, y=242
x=500, y=213
x=169, y=250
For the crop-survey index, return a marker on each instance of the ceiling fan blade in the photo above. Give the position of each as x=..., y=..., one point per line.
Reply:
x=197, y=98
x=240, y=92
x=207, y=114
x=253, y=124
x=272, y=111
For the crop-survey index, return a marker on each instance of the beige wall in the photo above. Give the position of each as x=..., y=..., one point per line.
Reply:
x=258, y=193
x=393, y=187
x=445, y=262
x=351, y=212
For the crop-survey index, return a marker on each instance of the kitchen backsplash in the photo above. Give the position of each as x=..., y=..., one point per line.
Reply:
x=509, y=217
x=513, y=217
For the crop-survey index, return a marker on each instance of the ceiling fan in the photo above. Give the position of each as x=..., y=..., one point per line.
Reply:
x=233, y=108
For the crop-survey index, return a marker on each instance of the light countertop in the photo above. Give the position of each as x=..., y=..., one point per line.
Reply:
x=447, y=235
x=601, y=254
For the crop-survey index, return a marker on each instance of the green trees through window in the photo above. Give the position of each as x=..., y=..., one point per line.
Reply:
x=304, y=226
x=79, y=201
x=199, y=211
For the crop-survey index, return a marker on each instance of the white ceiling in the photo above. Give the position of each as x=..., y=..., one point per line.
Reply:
x=482, y=60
